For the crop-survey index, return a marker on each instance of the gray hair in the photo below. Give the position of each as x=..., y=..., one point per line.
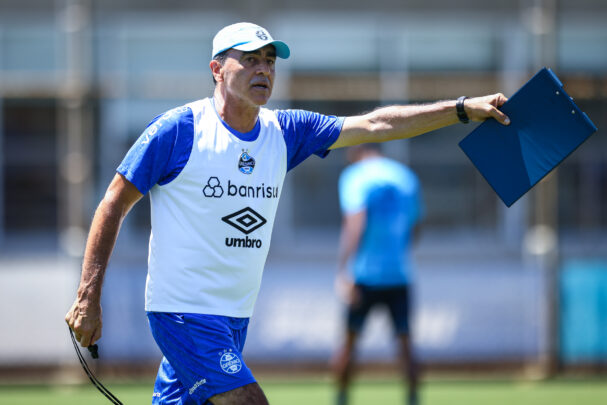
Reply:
x=221, y=58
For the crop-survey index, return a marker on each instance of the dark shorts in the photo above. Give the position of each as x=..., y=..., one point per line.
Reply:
x=202, y=356
x=394, y=298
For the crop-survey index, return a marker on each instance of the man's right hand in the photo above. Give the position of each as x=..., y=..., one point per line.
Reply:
x=85, y=321
x=346, y=289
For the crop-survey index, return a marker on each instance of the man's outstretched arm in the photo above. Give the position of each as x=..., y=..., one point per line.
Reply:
x=84, y=317
x=398, y=122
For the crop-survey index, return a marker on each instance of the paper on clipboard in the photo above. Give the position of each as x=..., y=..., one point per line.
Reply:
x=546, y=126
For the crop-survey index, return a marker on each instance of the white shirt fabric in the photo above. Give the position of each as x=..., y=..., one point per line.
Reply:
x=212, y=224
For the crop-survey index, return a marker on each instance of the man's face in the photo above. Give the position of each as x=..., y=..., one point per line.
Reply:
x=249, y=76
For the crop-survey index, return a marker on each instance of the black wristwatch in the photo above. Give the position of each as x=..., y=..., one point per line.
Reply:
x=461, y=112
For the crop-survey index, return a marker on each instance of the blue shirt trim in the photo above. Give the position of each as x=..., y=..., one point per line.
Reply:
x=162, y=150
x=243, y=136
x=308, y=133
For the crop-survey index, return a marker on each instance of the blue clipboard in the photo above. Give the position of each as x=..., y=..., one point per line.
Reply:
x=546, y=127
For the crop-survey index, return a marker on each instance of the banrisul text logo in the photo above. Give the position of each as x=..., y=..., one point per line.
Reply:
x=246, y=163
x=215, y=189
x=246, y=221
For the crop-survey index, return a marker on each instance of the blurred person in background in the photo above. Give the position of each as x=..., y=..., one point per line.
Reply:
x=214, y=169
x=381, y=203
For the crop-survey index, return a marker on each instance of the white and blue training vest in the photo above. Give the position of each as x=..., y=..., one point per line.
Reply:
x=212, y=221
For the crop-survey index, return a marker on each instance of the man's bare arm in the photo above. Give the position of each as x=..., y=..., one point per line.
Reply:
x=398, y=122
x=351, y=232
x=84, y=317
x=352, y=229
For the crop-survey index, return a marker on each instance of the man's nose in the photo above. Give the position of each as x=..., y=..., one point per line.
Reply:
x=264, y=68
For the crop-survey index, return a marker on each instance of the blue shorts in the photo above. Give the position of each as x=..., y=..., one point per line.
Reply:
x=202, y=356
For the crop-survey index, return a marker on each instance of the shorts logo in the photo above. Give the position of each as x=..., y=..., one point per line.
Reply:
x=246, y=220
x=213, y=188
x=246, y=163
x=196, y=386
x=261, y=35
x=230, y=363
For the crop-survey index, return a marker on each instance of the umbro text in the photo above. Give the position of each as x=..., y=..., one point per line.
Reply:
x=245, y=242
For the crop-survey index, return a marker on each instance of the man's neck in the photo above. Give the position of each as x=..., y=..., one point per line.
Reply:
x=235, y=113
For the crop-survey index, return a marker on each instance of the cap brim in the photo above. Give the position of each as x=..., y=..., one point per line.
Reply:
x=282, y=49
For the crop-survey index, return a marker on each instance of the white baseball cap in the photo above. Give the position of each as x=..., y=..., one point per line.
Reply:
x=247, y=37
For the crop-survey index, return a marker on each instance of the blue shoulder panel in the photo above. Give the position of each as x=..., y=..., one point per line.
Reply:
x=162, y=150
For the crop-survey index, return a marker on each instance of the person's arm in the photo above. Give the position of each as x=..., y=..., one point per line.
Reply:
x=84, y=317
x=351, y=232
x=398, y=122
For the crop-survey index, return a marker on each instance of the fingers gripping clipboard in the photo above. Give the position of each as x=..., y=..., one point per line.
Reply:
x=546, y=127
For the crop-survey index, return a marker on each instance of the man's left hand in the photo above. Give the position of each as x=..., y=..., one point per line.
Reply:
x=481, y=108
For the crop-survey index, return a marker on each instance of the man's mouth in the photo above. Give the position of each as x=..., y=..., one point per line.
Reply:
x=260, y=86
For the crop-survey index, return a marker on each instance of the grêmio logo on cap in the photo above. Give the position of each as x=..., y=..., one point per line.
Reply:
x=261, y=35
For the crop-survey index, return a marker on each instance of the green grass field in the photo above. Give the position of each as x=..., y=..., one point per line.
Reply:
x=312, y=392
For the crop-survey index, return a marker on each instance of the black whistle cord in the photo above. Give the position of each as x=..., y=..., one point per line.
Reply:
x=89, y=373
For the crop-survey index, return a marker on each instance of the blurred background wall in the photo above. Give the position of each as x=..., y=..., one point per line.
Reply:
x=526, y=285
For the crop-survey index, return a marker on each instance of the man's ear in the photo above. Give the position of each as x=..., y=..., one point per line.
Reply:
x=216, y=70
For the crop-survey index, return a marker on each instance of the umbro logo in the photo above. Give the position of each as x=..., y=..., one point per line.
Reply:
x=246, y=220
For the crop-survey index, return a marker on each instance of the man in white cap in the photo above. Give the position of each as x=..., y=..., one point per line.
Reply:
x=214, y=169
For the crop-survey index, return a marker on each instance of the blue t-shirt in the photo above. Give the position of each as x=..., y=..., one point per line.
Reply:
x=389, y=192
x=163, y=149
